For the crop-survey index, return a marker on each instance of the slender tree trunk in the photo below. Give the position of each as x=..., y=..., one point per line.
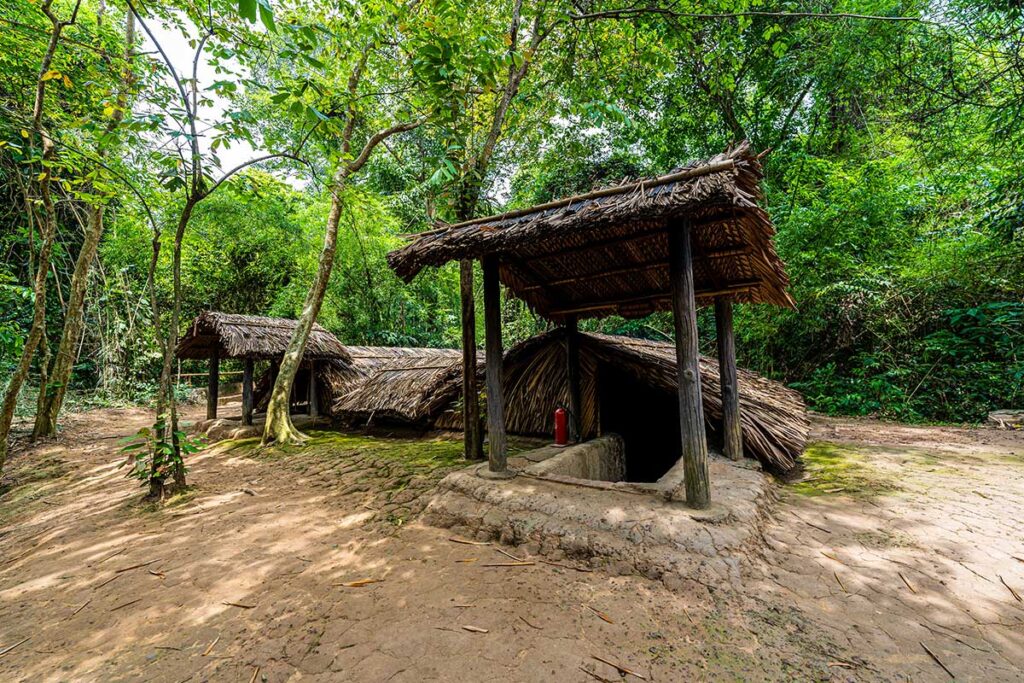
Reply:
x=279, y=425
x=38, y=315
x=171, y=345
x=156, y=479
x=52, y=396
x=49, y=229
x=50, y=401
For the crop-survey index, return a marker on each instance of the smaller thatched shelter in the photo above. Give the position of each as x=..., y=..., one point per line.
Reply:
x=215, y=335
x=405, y=385
x=334, y=377
x=628, y=386
x=233, y=335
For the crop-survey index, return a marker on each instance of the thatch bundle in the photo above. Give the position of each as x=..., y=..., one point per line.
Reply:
x=233, y=335
x=606, y=252
x=773, y=417
x=408, y=385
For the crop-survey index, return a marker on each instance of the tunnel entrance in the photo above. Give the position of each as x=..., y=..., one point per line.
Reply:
x=646, y=418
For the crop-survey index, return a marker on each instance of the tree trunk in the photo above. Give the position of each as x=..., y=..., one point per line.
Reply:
x=50, y=402
x=178, y=467
x=49, y=229
x=38, y=315
x=279, y=425
x=67, y=351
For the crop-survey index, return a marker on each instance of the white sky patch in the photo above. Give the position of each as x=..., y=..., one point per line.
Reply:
x=180, y=53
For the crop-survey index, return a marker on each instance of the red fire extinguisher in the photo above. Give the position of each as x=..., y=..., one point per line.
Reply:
x=561, y=427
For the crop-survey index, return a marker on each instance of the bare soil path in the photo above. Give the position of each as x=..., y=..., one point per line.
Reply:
x=907, y=544
x=244, y=578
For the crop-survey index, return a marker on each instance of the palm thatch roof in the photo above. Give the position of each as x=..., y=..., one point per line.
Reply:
x=422, y=387
x=368, y=358
x=773, y=417
x=607, y=252
x=409, y=385
x=233, y=335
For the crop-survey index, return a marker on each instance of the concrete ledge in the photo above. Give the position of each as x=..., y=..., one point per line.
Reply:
x=600, y=459
x=620, y=527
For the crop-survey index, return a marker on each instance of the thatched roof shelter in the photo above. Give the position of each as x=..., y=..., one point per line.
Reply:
x=421, y=387
x=693, y=237
x=232, y=335
x=407, y=385
x=773, y=418
x=605, y=253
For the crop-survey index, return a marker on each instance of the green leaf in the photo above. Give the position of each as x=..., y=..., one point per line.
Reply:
x=247, y=10
x=267, y=15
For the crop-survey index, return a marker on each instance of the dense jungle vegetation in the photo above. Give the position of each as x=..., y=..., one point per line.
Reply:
x=895, y=130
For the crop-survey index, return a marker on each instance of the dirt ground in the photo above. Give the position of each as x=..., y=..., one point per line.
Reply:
x=900, y=539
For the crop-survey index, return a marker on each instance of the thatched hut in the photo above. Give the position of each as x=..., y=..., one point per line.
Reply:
x=404, y=385
x=696, y=236
x=628, y=387
x=214, y=335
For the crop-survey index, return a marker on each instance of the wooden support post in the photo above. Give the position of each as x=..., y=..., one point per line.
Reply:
x=212, y=385
x=691, y=410
x=247, y=392
x=314, y=408
x=472, y=429
x=572, y=348
x=495, y=381
x=732, y=436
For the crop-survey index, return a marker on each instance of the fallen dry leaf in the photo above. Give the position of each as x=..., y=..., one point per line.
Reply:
x=360, y=583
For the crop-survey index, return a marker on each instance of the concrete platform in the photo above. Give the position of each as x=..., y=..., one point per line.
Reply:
x=618, y=526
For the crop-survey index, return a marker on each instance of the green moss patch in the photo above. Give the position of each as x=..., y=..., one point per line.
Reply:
x=842, y=470
x=24, y=482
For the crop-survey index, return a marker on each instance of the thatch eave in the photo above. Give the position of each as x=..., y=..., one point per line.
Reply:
x=233, y=335
x=607, y=252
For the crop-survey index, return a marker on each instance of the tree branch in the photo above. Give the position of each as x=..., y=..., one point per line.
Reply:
x=375, y=140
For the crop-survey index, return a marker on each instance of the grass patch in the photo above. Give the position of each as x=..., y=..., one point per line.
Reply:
x=23, y=483
x=842, y=469
x=416, y=453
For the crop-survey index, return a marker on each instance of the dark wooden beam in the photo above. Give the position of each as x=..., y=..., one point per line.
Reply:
x=635, y=268
x=247, y=391
x=732, y=436
x=213, y=385
x=313, y=400
x=572, y=347
x=496, y=452
x=655, y=298
x=691, y=410
x=472, y=434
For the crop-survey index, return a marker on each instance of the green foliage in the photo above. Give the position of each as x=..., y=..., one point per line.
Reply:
x=151, y=454
x=893, y=177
